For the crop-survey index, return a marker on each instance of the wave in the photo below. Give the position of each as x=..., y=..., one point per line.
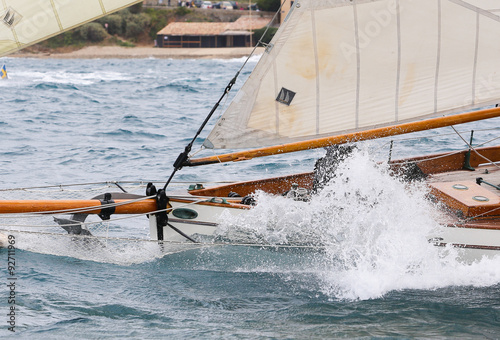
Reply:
x=373, y=231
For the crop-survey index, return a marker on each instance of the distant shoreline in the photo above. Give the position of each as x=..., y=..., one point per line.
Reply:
x=117, y=52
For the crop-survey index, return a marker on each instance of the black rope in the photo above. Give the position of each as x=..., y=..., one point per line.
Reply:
x=178, y=231
x=183, y=157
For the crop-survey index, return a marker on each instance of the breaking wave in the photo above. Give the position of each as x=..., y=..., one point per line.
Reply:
x=372, y=230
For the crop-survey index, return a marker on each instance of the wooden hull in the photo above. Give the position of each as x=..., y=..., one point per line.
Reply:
x=468, y=224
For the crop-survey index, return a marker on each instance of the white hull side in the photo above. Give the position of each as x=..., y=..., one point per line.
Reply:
x=474, y=243
x=205, y=223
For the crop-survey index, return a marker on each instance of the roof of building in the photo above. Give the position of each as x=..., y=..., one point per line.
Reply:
x=244, y=23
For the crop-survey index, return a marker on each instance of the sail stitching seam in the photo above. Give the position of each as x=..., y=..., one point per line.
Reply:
x=102, y=7
x=398, y=71
x=57, y=15
x=14, y=33
x=476, y=53
x=358, y=60
x=315, y=44
x=275, y=72
x=438, y=59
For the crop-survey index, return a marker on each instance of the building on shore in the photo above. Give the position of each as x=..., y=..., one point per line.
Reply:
x=210, y=34
x=285, y=9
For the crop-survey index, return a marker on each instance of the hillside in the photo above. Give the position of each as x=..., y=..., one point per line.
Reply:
x=131, y=27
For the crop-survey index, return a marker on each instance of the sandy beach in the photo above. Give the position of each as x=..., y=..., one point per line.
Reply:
x=107, y=52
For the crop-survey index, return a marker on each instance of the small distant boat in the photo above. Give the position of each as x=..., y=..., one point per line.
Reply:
x=3, y=72
x=341, y=72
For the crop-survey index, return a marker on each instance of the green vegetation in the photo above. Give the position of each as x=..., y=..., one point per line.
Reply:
x=159, y=19
x=120, y=42
x=132, y=25
x=93, y=32
x=267, y=37
x=135, y=25
x=269, y=5
x=182, y=11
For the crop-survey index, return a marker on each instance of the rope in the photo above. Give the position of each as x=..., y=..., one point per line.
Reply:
x=473, y=149
x=228, y=88
x=440, y=135
x=443, y=134
x=452, y=152
x=129, y=239
x=474, y=217
x=429, y=159
x=139, y=184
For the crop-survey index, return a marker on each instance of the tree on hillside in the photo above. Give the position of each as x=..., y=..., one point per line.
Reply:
x=136, y=9
x=269, y=5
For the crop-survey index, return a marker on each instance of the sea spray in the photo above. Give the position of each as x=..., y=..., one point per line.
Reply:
x=121, y=252
x=373, y=230
x=363, y=193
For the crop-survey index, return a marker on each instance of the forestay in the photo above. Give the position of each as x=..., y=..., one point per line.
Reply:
x=26, y=22
x=342, y=66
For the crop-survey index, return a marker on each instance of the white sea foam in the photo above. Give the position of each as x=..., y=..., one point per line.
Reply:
x=374, y=230
x=253, y=59
x=64, y=77
x=371, y=232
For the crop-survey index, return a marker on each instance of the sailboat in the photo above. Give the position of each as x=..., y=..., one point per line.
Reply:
x=338, y=72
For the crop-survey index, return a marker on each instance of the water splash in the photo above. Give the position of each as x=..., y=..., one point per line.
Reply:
x=373, y=230
x=103, y=250
x=253, y=59
x=68, y=77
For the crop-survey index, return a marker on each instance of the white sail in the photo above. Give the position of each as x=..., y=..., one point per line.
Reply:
x=26, y=22
x=340, y=66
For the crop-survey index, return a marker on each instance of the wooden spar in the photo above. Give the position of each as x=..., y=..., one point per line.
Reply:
x=350, y=137
x=83, y=206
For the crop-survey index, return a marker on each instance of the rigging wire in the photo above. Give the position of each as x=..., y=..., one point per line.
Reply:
x=471, y=218
x=446, y=154
x=473, y=148
x=184, y=156
x=206, y=244
x=401, y=139
x=139, y=184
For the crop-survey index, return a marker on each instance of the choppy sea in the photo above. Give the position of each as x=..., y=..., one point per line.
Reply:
x=85, y=121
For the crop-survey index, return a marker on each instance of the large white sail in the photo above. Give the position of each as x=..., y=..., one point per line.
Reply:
x=340, y=66
x=26, y=22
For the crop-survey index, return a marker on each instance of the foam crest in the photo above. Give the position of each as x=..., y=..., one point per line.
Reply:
x=121, y=252
x=57, y=77
x=253, y=59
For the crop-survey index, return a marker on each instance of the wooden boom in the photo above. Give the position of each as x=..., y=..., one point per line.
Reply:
x=81, y=206
x=350, y=137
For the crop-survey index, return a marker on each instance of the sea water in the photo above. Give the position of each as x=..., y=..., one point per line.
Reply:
x=361, y=266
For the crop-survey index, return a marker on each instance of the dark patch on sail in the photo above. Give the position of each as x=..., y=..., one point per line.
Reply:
x=10, y=17
x=285, y=96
